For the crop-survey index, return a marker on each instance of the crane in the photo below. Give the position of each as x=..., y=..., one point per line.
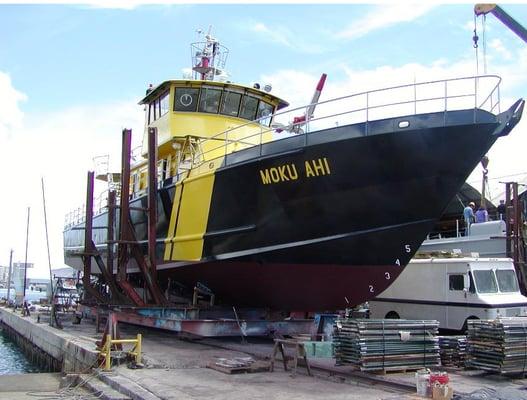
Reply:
x=503, y=16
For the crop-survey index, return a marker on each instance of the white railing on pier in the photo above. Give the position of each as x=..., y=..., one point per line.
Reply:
x=481, y=92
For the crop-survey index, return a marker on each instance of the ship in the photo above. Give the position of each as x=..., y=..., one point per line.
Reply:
x=313, y=208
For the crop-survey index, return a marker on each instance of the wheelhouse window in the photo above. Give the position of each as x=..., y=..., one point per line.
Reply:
x=163, y=103
x=264, y=110
x=485, y=281
x=227, y=101
x=507, y=281
x=151, y=114
x=230, y=104
x=249, y=107
x=209, y=101
x=157, y=108
x=186, y=99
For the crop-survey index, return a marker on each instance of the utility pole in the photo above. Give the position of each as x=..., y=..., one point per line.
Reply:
x=9, y=275
x=25, y=261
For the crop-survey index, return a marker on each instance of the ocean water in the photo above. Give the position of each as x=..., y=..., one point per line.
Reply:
x=12, y=359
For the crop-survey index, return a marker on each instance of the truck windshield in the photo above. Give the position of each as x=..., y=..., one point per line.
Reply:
x=507, y=281
x=485, y=281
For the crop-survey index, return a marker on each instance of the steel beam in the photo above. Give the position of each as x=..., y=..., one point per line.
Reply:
x=152, y=200
x=124, y=227
x=219, y=328
x=127, y=242
x=89, y=290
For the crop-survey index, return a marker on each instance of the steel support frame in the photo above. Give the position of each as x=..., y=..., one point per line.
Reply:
x=127, y=243
x=514, y=235
x=89, y=250
x=217, y=327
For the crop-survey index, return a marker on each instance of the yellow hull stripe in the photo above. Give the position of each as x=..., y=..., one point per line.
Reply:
x=190, y=214
x=173, y=221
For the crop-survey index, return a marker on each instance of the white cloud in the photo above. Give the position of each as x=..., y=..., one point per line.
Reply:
x=272, y=34
x=10, y=113
x=505, y=156
x=117, y=4
x=500, y=49
x=59, y=147
x=284, y=37
x=384, y=16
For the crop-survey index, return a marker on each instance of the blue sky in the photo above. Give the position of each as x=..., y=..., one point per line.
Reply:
x=107, y=54
x=71, y=77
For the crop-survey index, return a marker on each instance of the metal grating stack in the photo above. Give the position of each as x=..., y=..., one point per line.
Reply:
x=498, y=345
x=386, y=344
x=453, y=350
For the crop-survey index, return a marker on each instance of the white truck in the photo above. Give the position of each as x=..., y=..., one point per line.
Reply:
x=452, y=291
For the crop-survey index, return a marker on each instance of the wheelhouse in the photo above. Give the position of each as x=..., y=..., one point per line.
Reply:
x=188, y=113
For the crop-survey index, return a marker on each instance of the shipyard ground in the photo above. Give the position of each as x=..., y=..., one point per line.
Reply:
x=176, y=369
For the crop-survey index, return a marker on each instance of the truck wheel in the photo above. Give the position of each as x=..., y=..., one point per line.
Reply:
x=392, y=315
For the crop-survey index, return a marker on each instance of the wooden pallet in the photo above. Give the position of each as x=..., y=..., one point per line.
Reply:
x=395, y=370
x=257, y=366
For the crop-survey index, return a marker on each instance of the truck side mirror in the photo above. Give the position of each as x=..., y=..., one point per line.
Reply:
x=466, y=282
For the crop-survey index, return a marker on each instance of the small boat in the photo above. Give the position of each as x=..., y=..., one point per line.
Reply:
x=295, y=209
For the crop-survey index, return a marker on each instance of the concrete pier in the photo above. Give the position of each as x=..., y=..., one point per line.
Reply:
x=74, y=353
x=176, y=369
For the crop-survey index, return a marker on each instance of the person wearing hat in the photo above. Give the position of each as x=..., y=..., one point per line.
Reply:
x=468, y=214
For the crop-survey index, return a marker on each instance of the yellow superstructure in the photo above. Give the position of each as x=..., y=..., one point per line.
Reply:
x=198, y=123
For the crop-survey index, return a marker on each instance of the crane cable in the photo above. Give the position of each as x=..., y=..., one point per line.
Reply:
x=475, y=40
x=484, y=23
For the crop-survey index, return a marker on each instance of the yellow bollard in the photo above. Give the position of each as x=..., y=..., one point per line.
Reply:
x=138, y=349
x=106, y=351
x=108, y=348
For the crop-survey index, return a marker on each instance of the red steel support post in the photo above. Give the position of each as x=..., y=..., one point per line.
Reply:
x=517, y=223
x=508, y=217
x=124, y=234
x=89, y=291
x=110, y=231
x=152, y=199
x=88, y=227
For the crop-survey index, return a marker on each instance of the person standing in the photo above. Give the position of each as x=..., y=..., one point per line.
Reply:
x=468, y=215
x=501, y=209
x=482, y=215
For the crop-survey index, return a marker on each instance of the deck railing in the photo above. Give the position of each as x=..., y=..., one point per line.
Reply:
x=100, y=205
x=481, y=92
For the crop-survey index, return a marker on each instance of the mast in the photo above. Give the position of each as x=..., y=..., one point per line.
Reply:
x=9, y=275
x=25, y=260
x=208, y=58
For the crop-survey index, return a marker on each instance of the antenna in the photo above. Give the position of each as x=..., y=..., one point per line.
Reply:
x=208, y=57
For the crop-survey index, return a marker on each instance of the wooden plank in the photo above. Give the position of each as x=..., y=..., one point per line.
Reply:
x=257, y=366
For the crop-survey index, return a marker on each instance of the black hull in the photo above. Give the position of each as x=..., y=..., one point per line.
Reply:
x=280, y=235
x=306, y=285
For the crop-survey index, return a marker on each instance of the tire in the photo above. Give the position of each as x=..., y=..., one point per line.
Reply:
x=392, y=315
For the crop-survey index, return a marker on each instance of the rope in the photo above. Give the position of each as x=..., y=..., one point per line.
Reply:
x=70, y=390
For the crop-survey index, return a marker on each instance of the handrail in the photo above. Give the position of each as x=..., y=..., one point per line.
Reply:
x=225, y=136
x=479, y=89
x=100, y=205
